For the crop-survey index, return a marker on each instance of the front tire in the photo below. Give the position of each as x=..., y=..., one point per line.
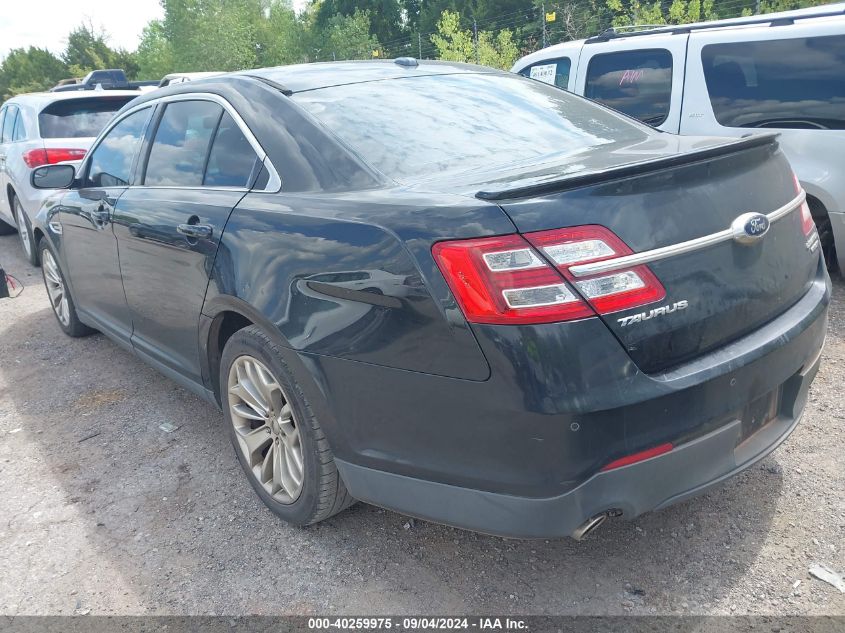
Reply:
x=277, y=439
x=57, y=292
x=25, y=232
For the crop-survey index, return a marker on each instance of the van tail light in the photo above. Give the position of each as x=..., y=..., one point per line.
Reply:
x=807, y=223
x=606, y=292
x=50, y=156
x=503, y=280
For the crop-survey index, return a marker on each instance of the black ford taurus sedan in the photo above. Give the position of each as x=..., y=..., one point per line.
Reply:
x=454, y=292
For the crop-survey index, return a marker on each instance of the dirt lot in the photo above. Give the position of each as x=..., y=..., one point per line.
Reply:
x=103, y=512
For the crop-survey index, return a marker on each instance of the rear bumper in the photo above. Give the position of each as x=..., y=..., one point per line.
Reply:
x=521, y=454
x=688, y=470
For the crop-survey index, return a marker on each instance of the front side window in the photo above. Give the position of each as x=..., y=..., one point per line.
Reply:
x=232, y=159
x=111, y=161
x=795, y=83
x=551, y=71
x=9, y=124
x=638, y=83
x=181, y=145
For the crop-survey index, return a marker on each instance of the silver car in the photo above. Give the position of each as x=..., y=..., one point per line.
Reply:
x=40, y=129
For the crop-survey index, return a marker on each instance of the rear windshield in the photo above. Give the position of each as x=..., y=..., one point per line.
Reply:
x=795, y=83
x=416, y=127
x=79, y=118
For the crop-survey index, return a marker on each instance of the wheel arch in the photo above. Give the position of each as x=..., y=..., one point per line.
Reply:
x=224, y=315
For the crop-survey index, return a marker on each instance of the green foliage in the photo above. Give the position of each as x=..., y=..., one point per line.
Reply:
x=348, y=37
x=385, y=19
x=773, y=6
x=88, y=50
x=459, y=45
x=30, y=70
x=154, y=54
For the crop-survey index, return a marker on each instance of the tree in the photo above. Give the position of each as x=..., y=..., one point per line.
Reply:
x=679, y=12
x=460, y=45
x=385, y=17
x=283, y=38
x=209, y=35
x=348, y=37
x=154, y=54
x=29, y=70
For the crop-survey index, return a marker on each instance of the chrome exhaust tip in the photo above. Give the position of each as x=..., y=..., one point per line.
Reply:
x=589, y=525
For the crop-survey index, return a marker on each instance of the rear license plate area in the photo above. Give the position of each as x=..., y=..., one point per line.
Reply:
x=758, y=413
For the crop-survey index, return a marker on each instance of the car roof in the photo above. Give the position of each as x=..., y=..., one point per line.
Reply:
x=301, y=77
x=43, y=99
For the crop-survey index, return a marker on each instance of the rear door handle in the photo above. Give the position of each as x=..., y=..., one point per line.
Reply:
x=196, y=231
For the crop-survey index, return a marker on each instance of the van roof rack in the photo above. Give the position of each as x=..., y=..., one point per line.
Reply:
x=775, y=19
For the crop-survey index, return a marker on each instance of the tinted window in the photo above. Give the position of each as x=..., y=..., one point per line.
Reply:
x=551, y=71
x=180, y=149
x=638, y=83
x=78, y=118
x=9, y=123
x=232, y=158
x=796, y=83
x=411, y=128
x=111, y=162
x=2, y=118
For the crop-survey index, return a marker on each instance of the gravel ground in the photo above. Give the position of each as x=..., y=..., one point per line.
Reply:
x=103, y=512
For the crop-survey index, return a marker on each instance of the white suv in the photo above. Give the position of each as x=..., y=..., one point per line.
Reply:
x=39, y=129
x=783, y=71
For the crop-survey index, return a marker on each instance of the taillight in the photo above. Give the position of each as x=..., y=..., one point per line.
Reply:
x=38, y=157
x=606, y=292
x=807, y=223
x=504, y=280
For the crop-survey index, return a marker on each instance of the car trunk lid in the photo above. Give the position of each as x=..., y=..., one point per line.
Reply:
x=717, y=290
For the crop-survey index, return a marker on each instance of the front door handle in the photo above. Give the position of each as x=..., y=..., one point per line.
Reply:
x=196, y=231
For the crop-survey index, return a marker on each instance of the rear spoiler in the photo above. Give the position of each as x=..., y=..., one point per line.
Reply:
x=565, y=183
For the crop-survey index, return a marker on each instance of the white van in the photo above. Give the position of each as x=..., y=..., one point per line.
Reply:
x=782, y=71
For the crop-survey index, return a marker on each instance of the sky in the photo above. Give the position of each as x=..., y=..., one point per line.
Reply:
x=46, y=23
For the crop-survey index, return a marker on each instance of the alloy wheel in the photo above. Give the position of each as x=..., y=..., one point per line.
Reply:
x=266, y=429
x=23, y=229
x=55, y=288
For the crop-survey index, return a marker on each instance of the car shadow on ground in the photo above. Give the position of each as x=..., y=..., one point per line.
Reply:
x=170, y=518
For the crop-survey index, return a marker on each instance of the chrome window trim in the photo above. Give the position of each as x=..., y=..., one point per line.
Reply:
x=681, y=248
x=274, y=182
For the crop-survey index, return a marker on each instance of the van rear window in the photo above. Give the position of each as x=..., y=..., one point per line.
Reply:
x=79, y=118
x=794, y=83
x=638, y=83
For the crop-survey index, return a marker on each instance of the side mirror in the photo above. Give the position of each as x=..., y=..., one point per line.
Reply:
x=53, y=176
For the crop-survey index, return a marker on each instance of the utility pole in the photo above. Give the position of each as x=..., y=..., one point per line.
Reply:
x=419, y=41
x=543, y=22
x=475, y=39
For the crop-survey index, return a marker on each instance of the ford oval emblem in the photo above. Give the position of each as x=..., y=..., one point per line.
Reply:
x=749, y=227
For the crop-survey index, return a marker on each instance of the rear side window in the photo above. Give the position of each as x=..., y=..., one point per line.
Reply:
x=551, y=71
x=78, y=118
x=111, y=161
x=232, y=158
x=9, y=123
x=795, y=83
x=182, y=140
x=638, y=83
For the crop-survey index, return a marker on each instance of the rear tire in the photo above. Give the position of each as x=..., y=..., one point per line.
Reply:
x=822, y=221
x=58, y=294
x=268, y=418
x=25, y=232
